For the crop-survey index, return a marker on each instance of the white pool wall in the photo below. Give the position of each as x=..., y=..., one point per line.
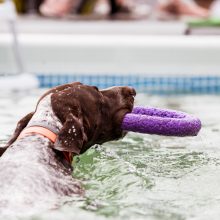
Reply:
x=118, y=54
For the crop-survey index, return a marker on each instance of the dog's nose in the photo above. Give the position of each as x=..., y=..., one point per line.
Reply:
x=128, y=91
x=132, y=91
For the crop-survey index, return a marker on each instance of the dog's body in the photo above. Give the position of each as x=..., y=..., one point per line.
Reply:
x=33, y=168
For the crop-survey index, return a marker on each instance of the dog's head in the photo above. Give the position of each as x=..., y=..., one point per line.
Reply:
x=89, y=115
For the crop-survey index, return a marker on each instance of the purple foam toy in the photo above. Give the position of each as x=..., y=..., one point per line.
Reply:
x=161, y=121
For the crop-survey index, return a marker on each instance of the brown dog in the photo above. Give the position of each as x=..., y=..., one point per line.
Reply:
x=80, y=116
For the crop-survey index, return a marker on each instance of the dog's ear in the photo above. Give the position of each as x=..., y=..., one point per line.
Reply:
x=20, y=126
x=72, y=136
x=2, y=150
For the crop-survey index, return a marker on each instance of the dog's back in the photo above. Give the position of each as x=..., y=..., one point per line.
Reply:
x=31, y=184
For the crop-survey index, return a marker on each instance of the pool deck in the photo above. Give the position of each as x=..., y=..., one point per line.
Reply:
x=33, y=24
x=36, y=24
x=106, y=47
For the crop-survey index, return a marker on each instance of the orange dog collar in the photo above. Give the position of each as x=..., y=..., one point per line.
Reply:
x=39, y=130
x=46, y=133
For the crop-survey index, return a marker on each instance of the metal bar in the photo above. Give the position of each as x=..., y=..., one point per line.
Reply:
x=16, y=48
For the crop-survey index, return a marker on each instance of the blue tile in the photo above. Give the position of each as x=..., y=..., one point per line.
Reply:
x=152, y=84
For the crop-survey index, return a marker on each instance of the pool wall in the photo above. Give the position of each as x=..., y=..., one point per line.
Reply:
x=155, y=64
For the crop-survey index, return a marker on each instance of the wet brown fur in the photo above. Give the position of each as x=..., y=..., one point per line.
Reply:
x=96, y=115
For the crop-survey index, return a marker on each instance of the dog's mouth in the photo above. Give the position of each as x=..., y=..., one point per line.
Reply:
x=128, y=106
x=129, y=99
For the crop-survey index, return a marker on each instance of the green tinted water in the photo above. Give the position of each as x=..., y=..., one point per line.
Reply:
x=141, y=176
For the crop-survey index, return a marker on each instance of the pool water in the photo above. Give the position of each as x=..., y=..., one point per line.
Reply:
x=141, y=176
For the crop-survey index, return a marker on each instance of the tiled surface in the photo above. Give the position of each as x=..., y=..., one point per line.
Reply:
x=150, y=84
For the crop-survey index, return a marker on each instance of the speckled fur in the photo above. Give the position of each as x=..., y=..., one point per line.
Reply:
x=44, y=116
